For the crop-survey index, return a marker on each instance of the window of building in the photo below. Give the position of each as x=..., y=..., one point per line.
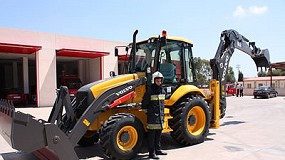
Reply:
x=248, y=85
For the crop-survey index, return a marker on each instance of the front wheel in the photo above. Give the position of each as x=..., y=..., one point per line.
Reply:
x=89, y=138
x=191, y=121
x=121, y=136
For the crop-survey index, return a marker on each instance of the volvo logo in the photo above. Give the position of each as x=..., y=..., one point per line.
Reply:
x=225, y=68
x=124, y=90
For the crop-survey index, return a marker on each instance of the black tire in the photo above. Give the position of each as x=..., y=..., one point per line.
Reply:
x=121, y=136
x=89, y=138
x=255, y=97
x=191, y=121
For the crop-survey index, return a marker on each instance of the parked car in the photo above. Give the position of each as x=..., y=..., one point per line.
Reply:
x=265, y=92
x=231, y=89
x=72, y=82
x=17, y=97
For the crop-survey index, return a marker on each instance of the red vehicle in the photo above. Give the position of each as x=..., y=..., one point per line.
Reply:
x=17, y=97
x=231, y=89
x=72, y=82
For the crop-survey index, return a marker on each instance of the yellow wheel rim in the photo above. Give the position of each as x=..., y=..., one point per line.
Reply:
x=127, y=138
x=196, y=120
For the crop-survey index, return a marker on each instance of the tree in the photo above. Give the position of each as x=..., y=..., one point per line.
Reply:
x=276, y=72
x=240, y=76
x=261, y=74
x=231, y=75
x=203, y=71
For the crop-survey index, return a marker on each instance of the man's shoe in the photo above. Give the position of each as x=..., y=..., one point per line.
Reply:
x=160, y=153
x=153, y=156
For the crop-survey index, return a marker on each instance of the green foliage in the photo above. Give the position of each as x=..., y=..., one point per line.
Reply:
x=275, y=72
x=231, y=75
x=261, y=74
x=203, y=71
x=240, y=76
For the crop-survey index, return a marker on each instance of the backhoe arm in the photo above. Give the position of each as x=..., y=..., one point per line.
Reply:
x=229, y=41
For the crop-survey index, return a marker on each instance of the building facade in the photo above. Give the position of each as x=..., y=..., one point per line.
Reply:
x=278, y=82
x=31, y=62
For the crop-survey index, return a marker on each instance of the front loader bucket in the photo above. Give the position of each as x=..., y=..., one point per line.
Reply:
x=26, y=133
x=20, y=130
x=263, y=59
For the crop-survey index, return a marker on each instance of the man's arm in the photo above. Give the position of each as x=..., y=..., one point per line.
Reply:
x=146, y=100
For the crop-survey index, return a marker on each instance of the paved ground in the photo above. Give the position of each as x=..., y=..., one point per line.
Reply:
x=252, y=129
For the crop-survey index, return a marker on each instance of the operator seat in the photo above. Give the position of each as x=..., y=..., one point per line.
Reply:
x=168, y=70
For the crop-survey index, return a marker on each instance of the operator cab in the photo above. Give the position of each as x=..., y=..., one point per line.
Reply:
x=172, y=56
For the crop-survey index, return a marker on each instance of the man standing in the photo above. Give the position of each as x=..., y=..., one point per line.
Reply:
x=237, y=87
x=241, y=90
x=153, y=103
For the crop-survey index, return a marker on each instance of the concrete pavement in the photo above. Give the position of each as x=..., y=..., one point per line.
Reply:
x=252, y=129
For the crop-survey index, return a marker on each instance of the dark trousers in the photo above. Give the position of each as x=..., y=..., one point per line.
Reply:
x=237, y=92
x=241, y=93
x=153, y=139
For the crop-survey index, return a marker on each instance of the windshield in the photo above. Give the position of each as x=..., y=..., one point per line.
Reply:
x=144, y=56
x=262, y=88
x=170, y=60
x=230, y=86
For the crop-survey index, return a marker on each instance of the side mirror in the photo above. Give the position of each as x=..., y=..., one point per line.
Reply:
x=112, y=74
x=116, y=52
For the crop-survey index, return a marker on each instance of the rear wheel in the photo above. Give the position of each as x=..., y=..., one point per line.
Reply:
x=121, y=136
x=190, y=121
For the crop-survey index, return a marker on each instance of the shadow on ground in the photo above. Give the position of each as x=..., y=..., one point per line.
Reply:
x=232, y=123
x=167, y=143
x=96, y=151
x=18, y=156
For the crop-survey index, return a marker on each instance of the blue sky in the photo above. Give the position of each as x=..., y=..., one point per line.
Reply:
x=201, y=21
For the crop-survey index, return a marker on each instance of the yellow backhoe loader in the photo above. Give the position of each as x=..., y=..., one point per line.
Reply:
x=109, y=111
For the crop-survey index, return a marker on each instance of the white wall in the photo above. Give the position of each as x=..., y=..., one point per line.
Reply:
x=94, y=69
x=279, y=85
x=110, y=62
x=46, y=77
x=89, y=70
x=46, y=70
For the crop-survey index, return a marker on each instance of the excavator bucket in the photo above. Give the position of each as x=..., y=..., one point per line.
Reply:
x=26, y=133
x=263, y=59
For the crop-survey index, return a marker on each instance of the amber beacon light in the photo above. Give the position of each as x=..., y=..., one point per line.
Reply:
x=164, y=33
